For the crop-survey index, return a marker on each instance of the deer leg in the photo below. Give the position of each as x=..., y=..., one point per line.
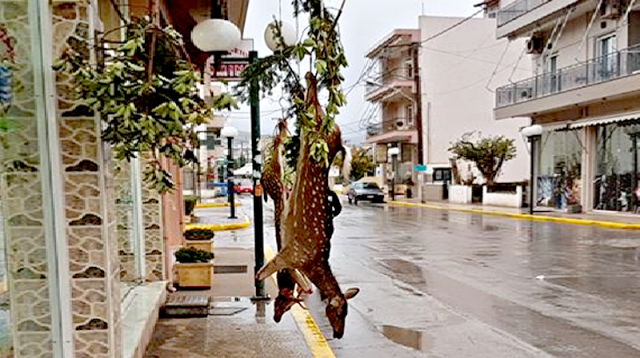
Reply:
x=276, y=264
x=303, y=282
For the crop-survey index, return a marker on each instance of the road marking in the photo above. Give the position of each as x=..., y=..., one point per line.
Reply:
x=217, y=205
x=316, y=341
x=221, y=227
x=609, y=224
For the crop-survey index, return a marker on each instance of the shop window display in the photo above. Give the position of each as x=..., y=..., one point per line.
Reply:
x=559, y=171
x=616, y=173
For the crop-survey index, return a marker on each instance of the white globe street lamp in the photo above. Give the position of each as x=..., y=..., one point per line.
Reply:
x=229, y=132
x=534, y=130
x=287, y=32
x=216, y=35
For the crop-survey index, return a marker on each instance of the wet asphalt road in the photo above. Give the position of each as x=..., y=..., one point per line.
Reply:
x=448, y=284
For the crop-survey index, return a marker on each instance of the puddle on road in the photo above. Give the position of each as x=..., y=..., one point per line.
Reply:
x=407, y=337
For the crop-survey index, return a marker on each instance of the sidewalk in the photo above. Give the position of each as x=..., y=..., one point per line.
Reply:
x=235, y=327
x=616, y=221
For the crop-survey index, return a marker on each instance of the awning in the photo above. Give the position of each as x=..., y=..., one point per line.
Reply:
x=595, y=121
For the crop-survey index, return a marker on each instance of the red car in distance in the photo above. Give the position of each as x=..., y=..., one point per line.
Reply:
x=243, y=188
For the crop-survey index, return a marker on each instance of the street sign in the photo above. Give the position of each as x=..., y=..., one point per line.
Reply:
x=229, y=71
x=420, y=168
x=231, y=65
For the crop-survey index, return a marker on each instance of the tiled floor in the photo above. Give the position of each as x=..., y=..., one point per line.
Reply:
x=243, y=335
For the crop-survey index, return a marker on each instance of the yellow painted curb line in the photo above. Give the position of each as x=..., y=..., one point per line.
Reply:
x=316, y=341
x=608, y=224
x=216, y=205
x=220, y=227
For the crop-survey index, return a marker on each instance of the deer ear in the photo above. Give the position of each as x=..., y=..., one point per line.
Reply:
x=351, y=293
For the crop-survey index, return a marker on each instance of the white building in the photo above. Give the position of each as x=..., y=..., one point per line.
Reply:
x=459, y=71
x=583, y=90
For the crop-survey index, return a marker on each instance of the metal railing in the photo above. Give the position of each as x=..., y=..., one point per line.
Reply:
x=517, y=9
x=606, y=68
x=389, y=125
x=385, y=79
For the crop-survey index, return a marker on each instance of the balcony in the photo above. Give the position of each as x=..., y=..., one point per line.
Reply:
x=522, y=16
x=609, y=76
x=390, y=87
x=391, y=132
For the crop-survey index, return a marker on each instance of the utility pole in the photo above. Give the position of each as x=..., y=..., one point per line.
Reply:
x=254, y=100
x=418, y=100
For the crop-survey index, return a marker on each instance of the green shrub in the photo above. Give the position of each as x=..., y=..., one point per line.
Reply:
x=190, y=204
x=199, y=234
x=188, y=255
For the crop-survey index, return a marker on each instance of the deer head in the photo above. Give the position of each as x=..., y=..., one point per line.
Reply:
x=336, y=311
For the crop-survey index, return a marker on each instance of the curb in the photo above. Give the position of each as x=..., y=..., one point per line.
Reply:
x=311, y=333
x=607, y=224
x=221, y=227
x=216, y=205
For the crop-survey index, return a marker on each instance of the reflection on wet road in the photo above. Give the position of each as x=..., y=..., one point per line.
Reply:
x=449, y=284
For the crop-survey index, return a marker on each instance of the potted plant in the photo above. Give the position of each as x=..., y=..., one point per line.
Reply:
x=195, y=268
x=201, y=239
x=190, y=202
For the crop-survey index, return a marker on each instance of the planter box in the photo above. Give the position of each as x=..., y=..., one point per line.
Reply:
x=204, y=245
x=460, y=194
x=432, y=192
x=196, y=275
x=506, y=199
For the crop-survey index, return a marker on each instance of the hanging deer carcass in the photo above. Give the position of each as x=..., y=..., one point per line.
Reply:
x=275, y=188
x=304, y=218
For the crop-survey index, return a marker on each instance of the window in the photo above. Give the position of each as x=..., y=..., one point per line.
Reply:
x=408, y=115
x=370, y=186
x=551, y=71
x=408, y=69
x=607, y=63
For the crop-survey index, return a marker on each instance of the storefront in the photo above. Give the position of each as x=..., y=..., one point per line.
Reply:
x=615, y=179
x=559, y=169
x=592, y=163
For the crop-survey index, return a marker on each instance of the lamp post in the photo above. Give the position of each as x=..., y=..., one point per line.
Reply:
x=532, y=133
x=218, y=36
x=230, y=133
x=393, y=152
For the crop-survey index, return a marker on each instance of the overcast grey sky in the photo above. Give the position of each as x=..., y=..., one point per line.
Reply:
x=362, y=24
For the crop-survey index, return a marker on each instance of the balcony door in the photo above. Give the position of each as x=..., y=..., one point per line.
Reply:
x=606, y=65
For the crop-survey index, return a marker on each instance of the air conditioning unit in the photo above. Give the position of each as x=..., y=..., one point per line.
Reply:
x=535, y=45
x=526, y=93
x=611, y=9
x=401, y=124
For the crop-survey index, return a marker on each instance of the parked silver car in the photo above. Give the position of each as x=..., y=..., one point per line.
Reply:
x=365, y=191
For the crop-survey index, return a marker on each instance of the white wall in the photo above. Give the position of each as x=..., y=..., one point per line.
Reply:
x=456, y=69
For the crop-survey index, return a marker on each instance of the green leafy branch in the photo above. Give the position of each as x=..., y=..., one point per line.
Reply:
x=147, y=95
x=323, y=48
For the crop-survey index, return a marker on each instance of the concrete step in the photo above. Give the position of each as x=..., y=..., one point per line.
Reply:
x=186, y=306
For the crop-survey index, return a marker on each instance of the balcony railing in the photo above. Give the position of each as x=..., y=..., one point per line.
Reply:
x=374, y=129
x=606, y=68
x=517, y=9
x=396, y=74
x=390, y=125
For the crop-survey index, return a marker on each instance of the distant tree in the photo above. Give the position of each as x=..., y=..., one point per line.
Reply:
x=362, y=164
x=488, y=154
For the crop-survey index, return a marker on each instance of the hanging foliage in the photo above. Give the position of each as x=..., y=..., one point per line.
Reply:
x=147, y=94
x=323, y=49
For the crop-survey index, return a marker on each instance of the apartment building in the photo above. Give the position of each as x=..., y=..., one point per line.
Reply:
x=583, y=91
x=433, y=86
x=393, y=93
